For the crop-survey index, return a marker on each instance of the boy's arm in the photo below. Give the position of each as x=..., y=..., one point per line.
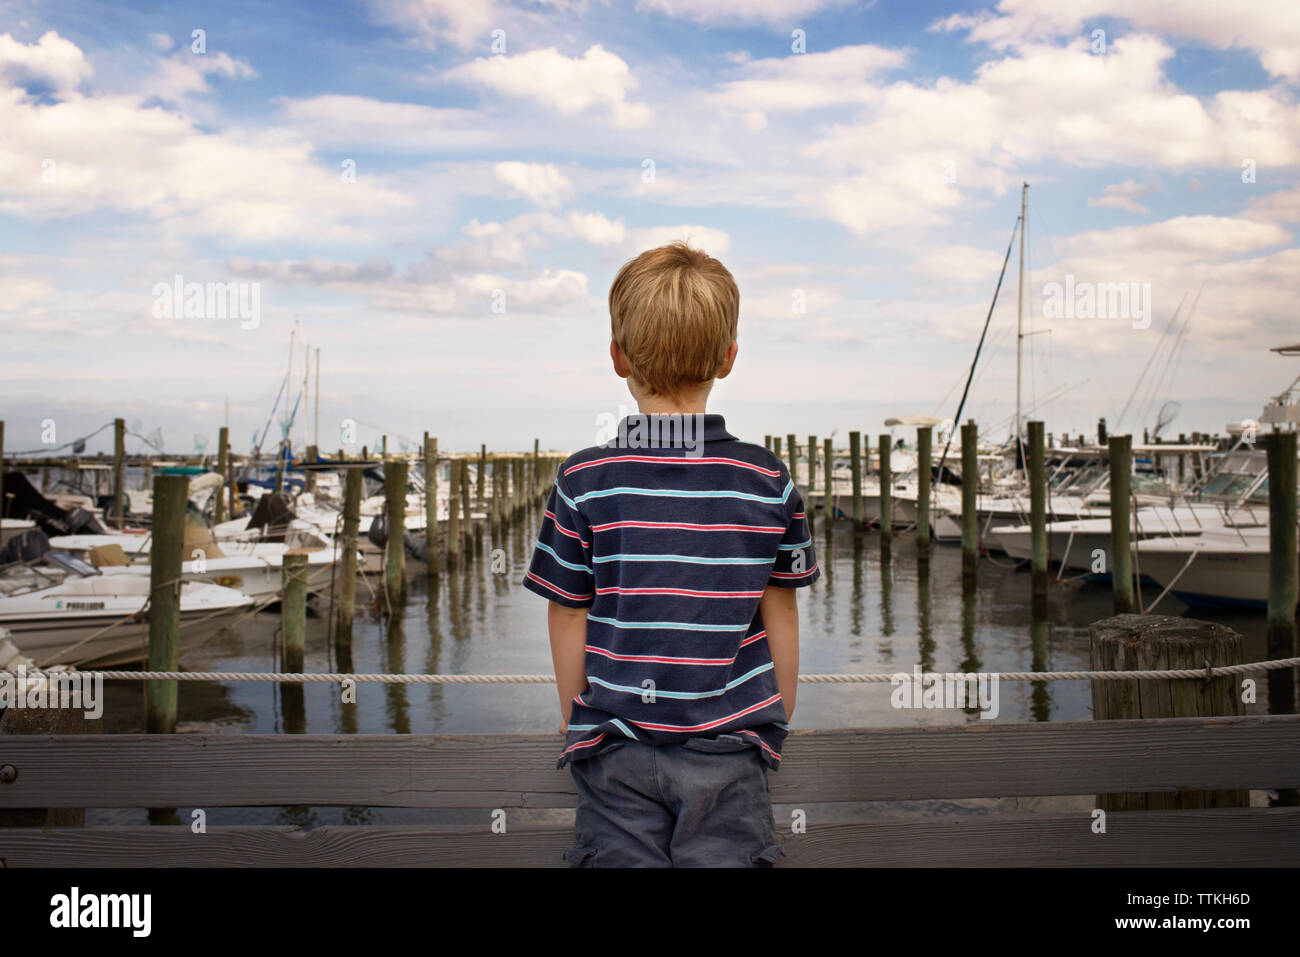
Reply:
x=781, y=620
x=568, y=630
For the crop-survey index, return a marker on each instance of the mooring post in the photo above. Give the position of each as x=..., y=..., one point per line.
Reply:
x=395, y=504
x=293, y=611
x=1121, y=555
x=119, y=473
x=466, y=510
x=1281, y=447
x=812, y=480
x=828, y=480
x=924, y=476
x=1037, y=514
x=482, y=474
x=311, y=457
x=352, y=481
x=451, y=536
x=166, y=555
x=855, y=469
x=767, y=442
x=535, y=484
x=792, y=453
x=970, y=481
x=1159, y=643
x=430, y=505
x=223, y=468
x=886, y=488
x=776, y=446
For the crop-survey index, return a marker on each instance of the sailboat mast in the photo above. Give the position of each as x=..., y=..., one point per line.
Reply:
x=1020, y=316
x=316, y=435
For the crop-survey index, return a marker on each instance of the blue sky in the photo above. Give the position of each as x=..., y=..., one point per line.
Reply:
x=873, y=178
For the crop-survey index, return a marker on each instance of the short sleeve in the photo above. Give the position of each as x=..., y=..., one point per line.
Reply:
x=796, y=559
x=561, y=565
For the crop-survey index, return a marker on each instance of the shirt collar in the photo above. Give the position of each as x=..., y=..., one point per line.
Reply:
x=713, y=426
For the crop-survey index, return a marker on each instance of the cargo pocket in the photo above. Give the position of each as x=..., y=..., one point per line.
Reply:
x=768, y=856
x=581, y=855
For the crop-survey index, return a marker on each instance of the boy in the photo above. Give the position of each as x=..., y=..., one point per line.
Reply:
x=670, y=555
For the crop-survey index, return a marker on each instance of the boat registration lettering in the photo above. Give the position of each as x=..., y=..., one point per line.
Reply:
x=84, y=605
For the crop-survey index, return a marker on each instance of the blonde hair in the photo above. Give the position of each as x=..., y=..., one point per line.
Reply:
x=673, y=311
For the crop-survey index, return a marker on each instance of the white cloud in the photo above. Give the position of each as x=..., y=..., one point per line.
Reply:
x=542, y=183
x=568, y=85
x=712, y=241
x=810, y=80
x=775, y=12
x=51, y=61
x=1268, y=28
x=1123, y=196
x=337, y=120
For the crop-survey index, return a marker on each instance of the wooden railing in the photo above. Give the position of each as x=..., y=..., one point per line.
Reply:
x=501, y=773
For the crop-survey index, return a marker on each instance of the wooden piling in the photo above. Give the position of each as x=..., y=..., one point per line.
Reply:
x=812, y=479
x=395, y=506
x=855, y=466
x=535, y=484
x=776, y=446
x=467, y=512
x=482, y=473
x=886, y=488
x=1037, y=513
x=119, y=472
x=293, y=611
x=792, y=453
x=1121, y=555
x=767, y=442
x=1281, y=450
x=452, y=536
x=970, y=480
x=924, y=475
x=828, y=482
x=352, y=482
x=311, y=457
x=431, y=505
x=166, y=555
x=223, y=467
x=1157, y=643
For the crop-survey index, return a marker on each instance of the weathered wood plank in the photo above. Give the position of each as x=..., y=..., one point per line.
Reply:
x=483, y=770
x=1259, y=837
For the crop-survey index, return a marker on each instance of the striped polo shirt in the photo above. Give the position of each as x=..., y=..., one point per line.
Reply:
x=668, y=538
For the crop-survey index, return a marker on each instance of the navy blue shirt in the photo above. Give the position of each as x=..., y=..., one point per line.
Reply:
x=669, y=538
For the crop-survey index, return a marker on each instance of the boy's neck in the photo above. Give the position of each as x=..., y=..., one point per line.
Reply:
x=666, y=405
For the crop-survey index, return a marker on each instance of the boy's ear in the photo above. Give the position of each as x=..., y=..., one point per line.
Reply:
x=621, y=366
x=725, y=369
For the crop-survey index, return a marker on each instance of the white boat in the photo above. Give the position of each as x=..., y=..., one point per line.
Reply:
x=97, y=620
x=254, y=568
x=9, y=527
x=1220, y=567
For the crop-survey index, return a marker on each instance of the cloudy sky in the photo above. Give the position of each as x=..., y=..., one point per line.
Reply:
x=440, y=191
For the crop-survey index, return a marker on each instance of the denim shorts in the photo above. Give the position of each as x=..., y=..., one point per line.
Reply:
x=702, y=803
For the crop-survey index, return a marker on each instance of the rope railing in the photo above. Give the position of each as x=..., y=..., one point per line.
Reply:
x=295, y=677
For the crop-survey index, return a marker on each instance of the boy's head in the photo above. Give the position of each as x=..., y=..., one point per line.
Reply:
x=673, y=313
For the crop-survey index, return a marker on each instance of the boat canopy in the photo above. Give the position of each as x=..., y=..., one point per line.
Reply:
x=917, y=420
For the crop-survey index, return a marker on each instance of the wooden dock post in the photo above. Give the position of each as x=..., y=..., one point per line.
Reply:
x=535, y=485
x=352, y=481
x=792, y=453
x=767, y=442
x=855, y=467
x=1281, y=449
x=776, y=446
x=1121, y=557
x=1037, y=514
x=828, y=482
x=812, y=479
x=395, y=506
x=1157, y=643
x=924, y=476
x=430, y=505
x=886, y=488
x=482, y=473
x=119, y=472
x=223, y=467
x=293, y=611
x=166, y=555
x=970, y=481
x=311, y=457
x=451, y=537
x=467, y=511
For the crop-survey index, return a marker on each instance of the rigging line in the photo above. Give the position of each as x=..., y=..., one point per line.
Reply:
x=1154, y=388
x=1180, y=344
x=1159, y=341
x=65, y=445
x=965, y=392
x=267, y=428
x=1176, y=353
